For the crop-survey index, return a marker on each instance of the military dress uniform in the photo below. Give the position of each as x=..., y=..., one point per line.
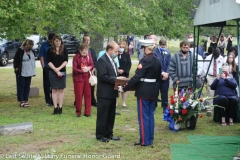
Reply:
x=145, y=80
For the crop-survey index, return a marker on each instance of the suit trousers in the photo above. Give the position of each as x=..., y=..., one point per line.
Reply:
x=146, y=110
x=83, y=89
x=47, y=86
x=211, y=92
x=163, y=87
x=105, y=117
x=92, y=96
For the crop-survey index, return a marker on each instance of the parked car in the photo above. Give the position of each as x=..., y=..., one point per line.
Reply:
x=8, y=49
x=71, y=43
x=38, y=40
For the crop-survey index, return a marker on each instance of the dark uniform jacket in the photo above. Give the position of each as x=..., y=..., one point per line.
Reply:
x=149, y=68
x=106, y=77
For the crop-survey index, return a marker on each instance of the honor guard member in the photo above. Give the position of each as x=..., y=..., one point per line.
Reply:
x=145, y=80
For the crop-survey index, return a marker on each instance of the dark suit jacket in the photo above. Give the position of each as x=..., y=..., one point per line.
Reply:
x=165, y=62
x=106, y=78
x=93, y=54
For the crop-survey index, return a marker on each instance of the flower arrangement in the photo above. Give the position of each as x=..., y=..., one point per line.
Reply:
x=183, y=106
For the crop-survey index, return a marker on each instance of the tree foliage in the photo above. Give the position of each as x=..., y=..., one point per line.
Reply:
x=108, y=17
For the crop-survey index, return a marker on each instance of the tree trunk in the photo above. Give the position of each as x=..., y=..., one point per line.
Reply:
x=97, y=42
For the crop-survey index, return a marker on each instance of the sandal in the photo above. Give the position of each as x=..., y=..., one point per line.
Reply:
x=224, y=123
x=26, y=104
x=231, y=124
x=22, y=104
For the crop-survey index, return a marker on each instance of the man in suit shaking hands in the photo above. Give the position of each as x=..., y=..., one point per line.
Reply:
x=106, y=95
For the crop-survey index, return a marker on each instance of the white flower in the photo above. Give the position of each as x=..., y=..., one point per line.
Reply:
x=164, y=52
x=194, y=104
x=171, y=106
x=176, y=111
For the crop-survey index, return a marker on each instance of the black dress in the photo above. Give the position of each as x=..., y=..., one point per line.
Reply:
x=57, y=60
x=229, y=44
x=214, y=45
x=124, y=64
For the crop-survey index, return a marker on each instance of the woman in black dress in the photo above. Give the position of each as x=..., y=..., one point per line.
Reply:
x=229, y=42
x=213, y=41
x=124, y=66
x=57, y=57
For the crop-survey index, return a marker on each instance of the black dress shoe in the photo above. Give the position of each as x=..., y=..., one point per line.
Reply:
x=139, y=144
x=87, y=115
x=117, y=113
x=103, y=139
x=114, y=138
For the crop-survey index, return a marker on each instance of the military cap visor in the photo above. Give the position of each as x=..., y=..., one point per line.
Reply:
x=145, y=43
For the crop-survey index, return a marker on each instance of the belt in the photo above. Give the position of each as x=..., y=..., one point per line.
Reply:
x=211, y=75
x=147, y=80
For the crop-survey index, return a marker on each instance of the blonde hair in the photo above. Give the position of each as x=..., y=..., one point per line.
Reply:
x=125, y=44
x=28, y=42
x=151, y=48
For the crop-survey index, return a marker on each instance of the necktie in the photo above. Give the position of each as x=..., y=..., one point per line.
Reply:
x=215, y=67
x=114, y=67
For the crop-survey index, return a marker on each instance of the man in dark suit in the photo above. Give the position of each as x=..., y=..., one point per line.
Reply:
x=164, y=57
x=106, y=95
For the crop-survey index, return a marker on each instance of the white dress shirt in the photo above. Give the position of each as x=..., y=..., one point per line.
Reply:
x=220, y=61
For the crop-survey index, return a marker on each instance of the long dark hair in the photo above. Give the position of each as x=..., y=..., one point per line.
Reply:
x=53, y=49
x=234, y=65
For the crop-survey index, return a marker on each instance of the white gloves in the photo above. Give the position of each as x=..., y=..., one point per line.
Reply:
x=120, y=89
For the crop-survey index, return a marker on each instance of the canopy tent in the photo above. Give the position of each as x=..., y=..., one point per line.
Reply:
x=213, y=13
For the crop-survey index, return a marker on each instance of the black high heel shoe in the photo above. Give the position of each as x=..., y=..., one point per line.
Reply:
x=59, y=110
x=55, y=111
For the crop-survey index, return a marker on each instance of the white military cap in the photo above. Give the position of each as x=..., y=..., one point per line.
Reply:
x=146, y=42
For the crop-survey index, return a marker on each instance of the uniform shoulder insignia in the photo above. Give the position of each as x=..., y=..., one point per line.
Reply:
x=139, y=66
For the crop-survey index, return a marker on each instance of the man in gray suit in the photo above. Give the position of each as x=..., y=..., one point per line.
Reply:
x=106, y=95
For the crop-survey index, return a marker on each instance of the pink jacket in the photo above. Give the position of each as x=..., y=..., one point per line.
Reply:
x=78, y=61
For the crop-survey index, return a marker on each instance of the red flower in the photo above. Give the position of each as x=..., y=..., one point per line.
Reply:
x=171, y=97
x=201, y=100
x=172, y=101
x=200, y=116
x=184, y=111
x=184, y=98
x=171, y=111
x=179, y=119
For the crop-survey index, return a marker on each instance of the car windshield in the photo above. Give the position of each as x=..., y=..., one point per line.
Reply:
x=2, y=41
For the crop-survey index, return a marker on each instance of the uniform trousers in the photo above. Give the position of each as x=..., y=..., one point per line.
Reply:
x=146, y=110
x=83, y=89
x=105, y=117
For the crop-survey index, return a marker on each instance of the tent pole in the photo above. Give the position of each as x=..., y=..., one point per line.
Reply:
x=193, y=69
x=205, y=78
x=238, y=47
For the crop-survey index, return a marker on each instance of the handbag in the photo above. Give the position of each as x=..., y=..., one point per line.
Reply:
x=92, y=79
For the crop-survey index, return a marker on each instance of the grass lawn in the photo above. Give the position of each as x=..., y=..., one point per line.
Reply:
x=66, y=135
